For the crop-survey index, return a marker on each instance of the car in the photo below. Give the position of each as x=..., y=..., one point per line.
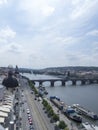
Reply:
x=30, y=122
x=28, y=111
x=29, y=115
x=31, y=127
x=35, y=98
x=30, y=119
x=22, y=94
x=31, y=92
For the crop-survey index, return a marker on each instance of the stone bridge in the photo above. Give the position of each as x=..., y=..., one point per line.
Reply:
x=63, y=81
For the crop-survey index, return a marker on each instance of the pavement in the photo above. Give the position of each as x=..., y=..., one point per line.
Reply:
x=71, y=125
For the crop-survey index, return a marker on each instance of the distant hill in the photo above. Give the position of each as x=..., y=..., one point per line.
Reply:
x=56, y=69
x=75, y=68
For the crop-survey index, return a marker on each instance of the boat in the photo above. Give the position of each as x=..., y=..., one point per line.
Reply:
x=88, y=126
x=85, y=112
x=56, y=101
x=42, y=91
x=66, y=110
x=71, y=113
x=45, y=92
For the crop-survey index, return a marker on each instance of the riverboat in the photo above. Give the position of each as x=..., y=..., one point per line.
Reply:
x=88, y=126
x=42, y=91
x=71, y=113
x=67, y=110
x=85, y=112
x=56, y=101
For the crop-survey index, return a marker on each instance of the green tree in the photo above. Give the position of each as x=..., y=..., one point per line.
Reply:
x=51, y=112
x=55, y=117
x=62, y=125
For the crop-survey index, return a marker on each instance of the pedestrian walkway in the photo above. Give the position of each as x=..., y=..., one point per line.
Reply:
x=71, y=125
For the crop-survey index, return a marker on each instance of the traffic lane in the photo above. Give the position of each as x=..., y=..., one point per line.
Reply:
x=25, y=90
x=50, y=126
x=37, y=116
x=26, y=125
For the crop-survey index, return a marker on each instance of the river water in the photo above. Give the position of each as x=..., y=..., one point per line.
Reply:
x=85, y=95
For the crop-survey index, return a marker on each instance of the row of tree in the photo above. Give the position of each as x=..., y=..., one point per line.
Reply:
x=53, y=115
x=49, y=110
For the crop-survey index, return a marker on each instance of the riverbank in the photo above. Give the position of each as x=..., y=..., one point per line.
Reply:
x=60, y=114
x=85, y=95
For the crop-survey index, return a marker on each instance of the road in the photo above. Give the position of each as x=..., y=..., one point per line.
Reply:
x=40, y=119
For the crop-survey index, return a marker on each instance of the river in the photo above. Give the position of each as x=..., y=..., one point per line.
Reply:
x=85, y=95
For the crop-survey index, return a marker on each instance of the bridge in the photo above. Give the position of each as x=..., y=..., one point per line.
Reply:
x=63, y=81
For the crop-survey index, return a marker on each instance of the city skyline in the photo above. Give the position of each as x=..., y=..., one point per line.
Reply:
x=40, y=34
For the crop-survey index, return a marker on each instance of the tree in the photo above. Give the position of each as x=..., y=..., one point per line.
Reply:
x=62, y=125
x=55, y=117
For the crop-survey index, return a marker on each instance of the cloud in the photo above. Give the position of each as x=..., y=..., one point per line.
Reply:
x=14, y=48
x=36, y=7
x=35, y=12
x=11, y=49
x=65, y=40
x=49, y=33
x=47, y=11
x=3, y=2
x=6, y=35
x=83, y=8
x=92, y=33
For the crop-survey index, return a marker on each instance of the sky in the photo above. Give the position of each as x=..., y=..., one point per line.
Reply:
x=48, y=33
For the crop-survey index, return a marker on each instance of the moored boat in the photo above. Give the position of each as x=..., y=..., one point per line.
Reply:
x=85, y=112
x=56, y=101
x=88, y=126
x=70, y=113
x=67, y=110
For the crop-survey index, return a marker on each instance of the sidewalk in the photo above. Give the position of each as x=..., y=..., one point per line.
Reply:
x=71, y=125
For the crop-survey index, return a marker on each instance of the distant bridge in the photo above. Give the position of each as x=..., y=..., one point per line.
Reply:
x=63, y=81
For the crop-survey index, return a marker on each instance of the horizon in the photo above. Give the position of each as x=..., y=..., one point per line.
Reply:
x=50, y=67
x=42, y=34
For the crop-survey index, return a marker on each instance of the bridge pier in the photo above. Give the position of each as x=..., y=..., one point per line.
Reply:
x=63, y=83
x=96, y=81
x=82, y=82
x=40, y=83
x=74, y=82
x=52, y=83
x=90, y=81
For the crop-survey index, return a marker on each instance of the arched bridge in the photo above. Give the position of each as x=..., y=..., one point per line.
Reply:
x=63, y=81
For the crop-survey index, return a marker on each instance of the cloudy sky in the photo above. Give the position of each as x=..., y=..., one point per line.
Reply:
x=48, y=33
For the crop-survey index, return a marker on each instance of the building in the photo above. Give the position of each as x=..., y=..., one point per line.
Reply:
x=6, y=109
